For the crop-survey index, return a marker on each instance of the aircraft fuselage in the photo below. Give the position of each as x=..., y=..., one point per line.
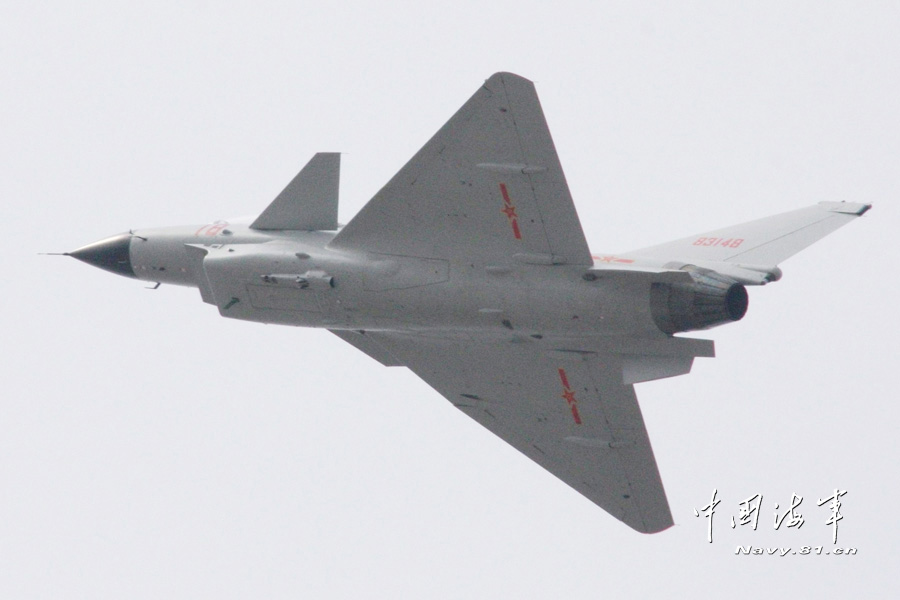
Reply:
x=293, y=278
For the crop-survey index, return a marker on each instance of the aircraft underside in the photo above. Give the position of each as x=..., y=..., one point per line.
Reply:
x=471, y=269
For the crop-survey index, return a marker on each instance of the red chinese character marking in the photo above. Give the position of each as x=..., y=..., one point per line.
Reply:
x=569, y=396
x=510, y=211
x=612, y=259
x=213, y=229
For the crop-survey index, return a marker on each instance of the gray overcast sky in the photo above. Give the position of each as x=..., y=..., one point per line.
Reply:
x=149, y=448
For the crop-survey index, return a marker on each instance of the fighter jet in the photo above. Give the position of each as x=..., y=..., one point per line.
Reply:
x=471, y=269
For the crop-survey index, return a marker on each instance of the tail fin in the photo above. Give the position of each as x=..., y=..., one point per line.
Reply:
x=757, y=246
x=310, y=200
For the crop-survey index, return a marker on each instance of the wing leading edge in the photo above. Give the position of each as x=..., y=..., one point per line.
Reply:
x=567, y=411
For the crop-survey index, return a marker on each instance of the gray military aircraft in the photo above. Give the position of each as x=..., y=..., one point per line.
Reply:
x=471, y=269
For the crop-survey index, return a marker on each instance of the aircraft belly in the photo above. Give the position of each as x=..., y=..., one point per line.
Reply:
x=292, y=284
x=510, y=307
x=281, y=298
x=389, y=272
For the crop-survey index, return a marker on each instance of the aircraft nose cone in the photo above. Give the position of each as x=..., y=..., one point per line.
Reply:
x=112, y=254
